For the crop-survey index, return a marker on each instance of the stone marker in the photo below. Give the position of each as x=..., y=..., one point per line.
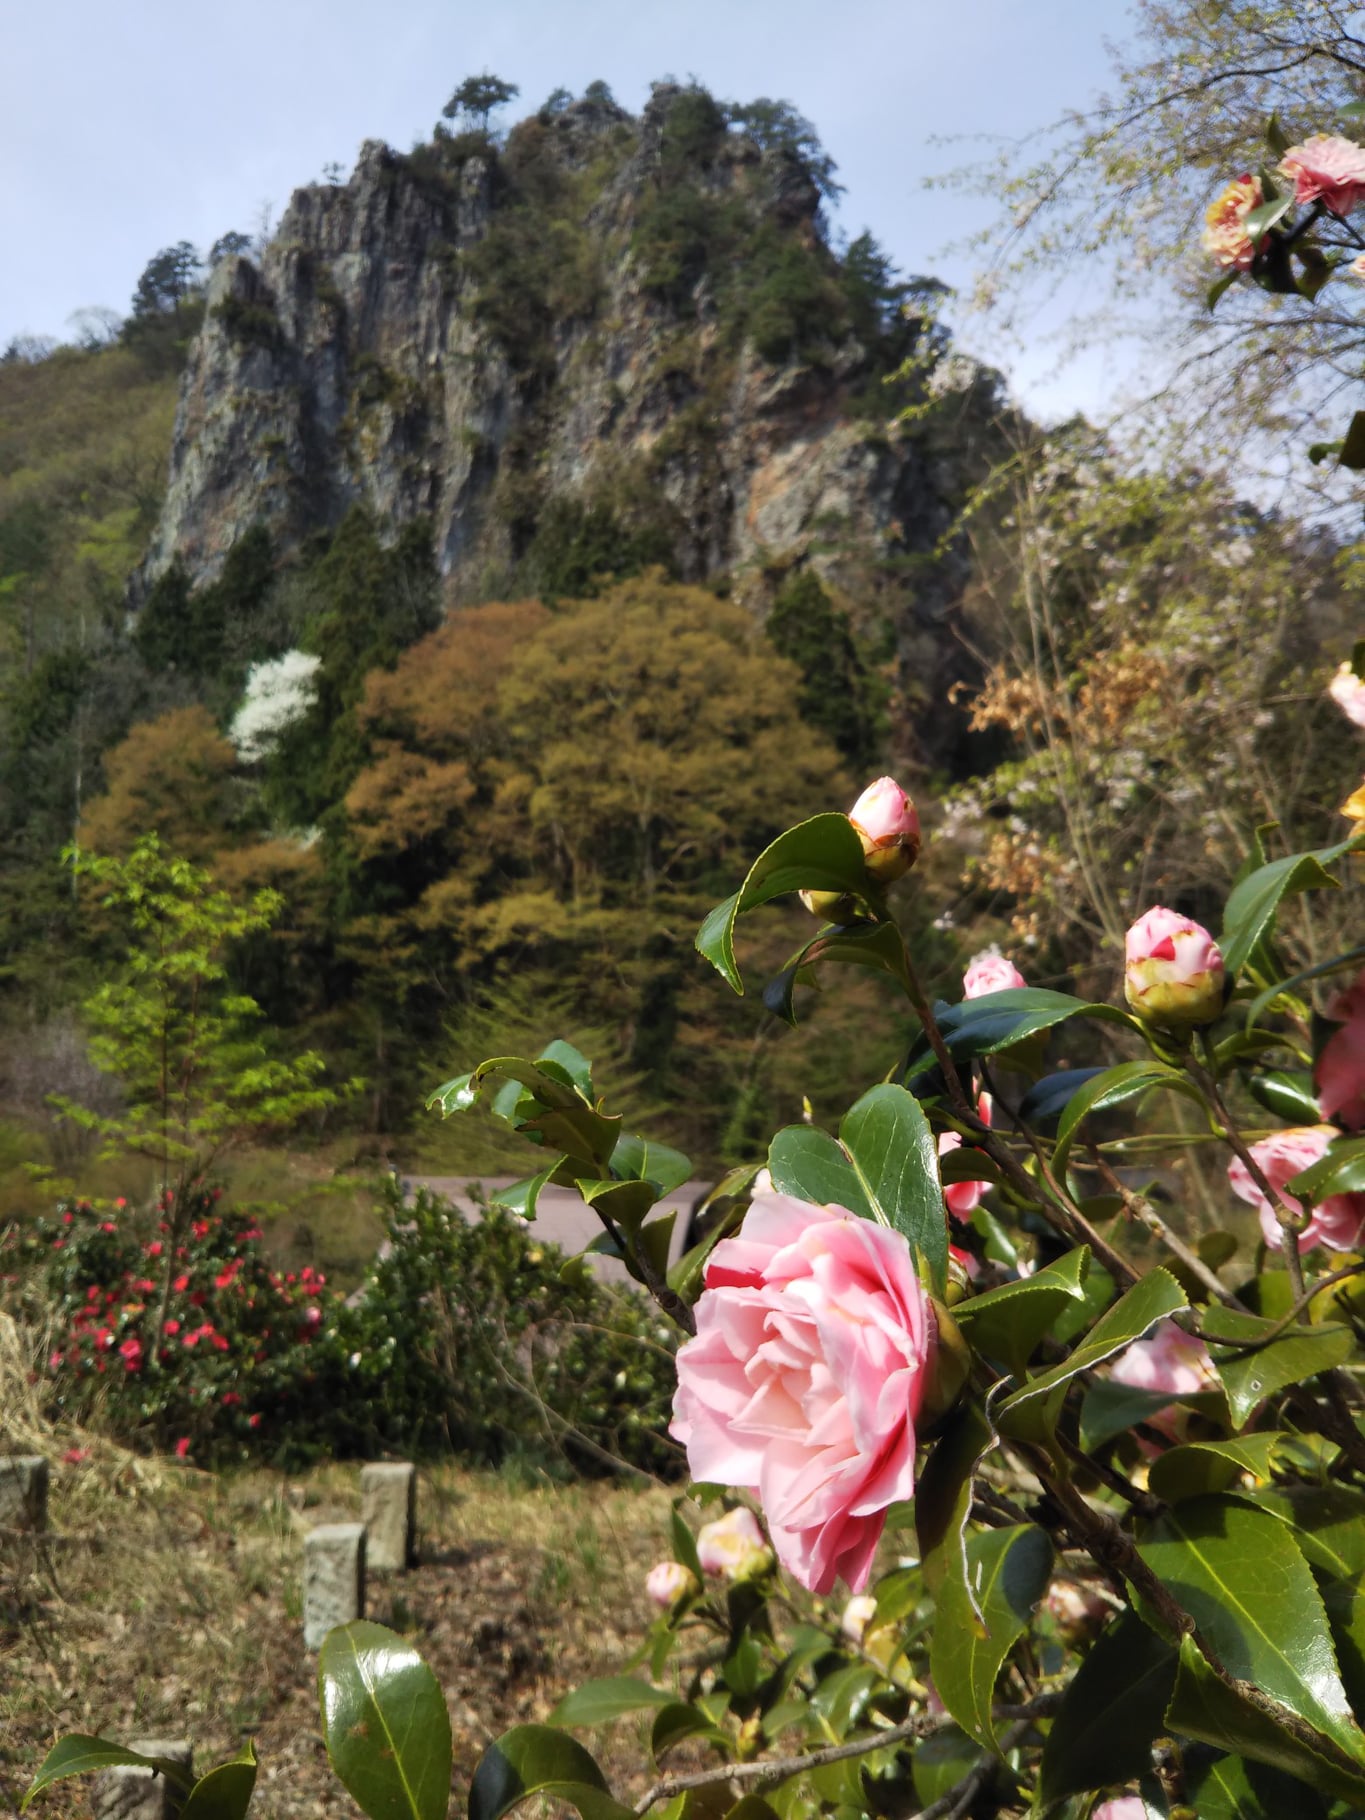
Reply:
x=23, y=1492
x=333, y=1579
x=141, y=1794
x=388, y=1496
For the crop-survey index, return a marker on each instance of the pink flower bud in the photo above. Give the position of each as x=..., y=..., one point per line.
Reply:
x=1174, y=970
x=1336, y=1222
x=1347, y=690
x=1340, y=1072
x=668, y=1582
x=989, y=971
x=1326, y=169
x=963, y=1198
x=734, y=1546
x=888, y=827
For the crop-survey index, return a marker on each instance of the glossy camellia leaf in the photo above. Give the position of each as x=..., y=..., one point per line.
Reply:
x=385, y=1722
x=636, y=1159
x=879, y=946
x=1208, y=1466
x=1111, y=1087
x=542, y=1101
x=677, y=1721
x=1205, y=1707
x=80, y=1752
x=625, y=1204
x=1339, y=963
x=1328, y=1522
x=940, y=1763
x=1048, y=1099
x=811, y=1165
x=521, y=1198
x=1344, y=1601
x=1150, y=1300
x=1007, y=1573
x=538, y=1760
x=596, y=1702
x=895, y=1157
x=998, y=1020
x=823, y=854
x=1295, y=1353
x=1230, y=1788
x=1113, y=1709
x=1007, y=1323
x=225, y=1792
x=1340, y=1171
x=1250, y=911
x=1241, y=1576
x=943, y=1496
x=1109, y=1408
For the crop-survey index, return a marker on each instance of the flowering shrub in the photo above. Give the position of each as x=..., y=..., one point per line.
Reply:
x=1120, y=1463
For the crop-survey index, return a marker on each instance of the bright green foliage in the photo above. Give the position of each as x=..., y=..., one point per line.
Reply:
x=185, y=1048
x=385, y=1722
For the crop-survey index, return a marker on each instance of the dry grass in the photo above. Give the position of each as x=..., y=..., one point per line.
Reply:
x=166, y=1603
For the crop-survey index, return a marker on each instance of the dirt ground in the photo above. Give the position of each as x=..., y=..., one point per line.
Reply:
x=166, y=1603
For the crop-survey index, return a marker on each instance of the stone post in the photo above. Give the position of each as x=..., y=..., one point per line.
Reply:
x=333, y=1579
x=388, y=1496
x=23, y=1492
x=141, y=1794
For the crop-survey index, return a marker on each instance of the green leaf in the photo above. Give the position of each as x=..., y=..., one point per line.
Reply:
x=637, y=1159
x=1257, y=220
x=385, y=1722
x=1112, y=1711
x=1318, y=452
x=597, y=1702
x=542, y=1103
x=1230, y=1788
x=1328, y=1522
x=1340, y=1171
x=624, y=1203
x=1353, y=448
x=80, y=1752
x=1250, y=912
x=1249, y=1377
x=1111, y=1087
x=997, y=1020
x=1206, y=1466
x=887, y=1140
x=521, y=1197
x=1339, y=963
x=1109, y=1408
x=225, y=1792
x=676, y=1721
x=943, y=1496
x=1344, y=1601
x=1048, y=1098
x=1007, y=1573
x=823, y=854
x=1240, y=1575
x=1152, y=1299
x=538, y=1760
x=1206, y=1708
x=1218, y=287
x=1007, y=1323
x=811, y=1165
x=940, y=1762
x=576, y=1067
x=1289, y=1096
x=879, y=946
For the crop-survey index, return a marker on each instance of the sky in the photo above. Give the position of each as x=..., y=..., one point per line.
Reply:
x=126, y=128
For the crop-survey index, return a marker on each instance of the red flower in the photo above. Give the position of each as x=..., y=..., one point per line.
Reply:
x=75, y=1455
x=191, y=1339
x=172, y=1327
x=200, y=1229
x=154, y=1249
x=181, y=1284
x=182, y=1447
x=230, y=1399
x=120, y=1203
x=131, y=1352
x=224, y=1279
x=54, y=1360
x=58, y=1243
x=219, y=1341
x=93, y=1293
x=104, y=1339
x=198, y=1299
x=254, y=1421
x=67, y=1218
x=108, y=1226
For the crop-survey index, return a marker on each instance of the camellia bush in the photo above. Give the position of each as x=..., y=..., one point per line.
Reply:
x=1025, y=1492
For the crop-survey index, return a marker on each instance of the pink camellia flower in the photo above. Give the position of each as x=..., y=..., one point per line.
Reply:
x=1327, y=169
x=1127, y=1807
x=963, y=1198
x=1168, y=1359
x=669, y=1581
x=1225, y=235
x=888, y=826
x=1340, y=1072
x=814, y=1349
x=1347, y=690
x=734, y=1546
x=989, y=971
x=1173, y=972
x=1336, y=1222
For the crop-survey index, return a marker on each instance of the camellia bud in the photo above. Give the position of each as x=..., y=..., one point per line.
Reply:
x=1173, y=971
x=734, y=1546
x=834, y=906
x=888, y=826
x=669, y=1582
x=949, y=1367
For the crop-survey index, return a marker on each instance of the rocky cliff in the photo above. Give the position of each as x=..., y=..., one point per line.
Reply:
x=608, y=335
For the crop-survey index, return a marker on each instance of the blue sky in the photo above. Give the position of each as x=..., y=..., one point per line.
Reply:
x=125, y=128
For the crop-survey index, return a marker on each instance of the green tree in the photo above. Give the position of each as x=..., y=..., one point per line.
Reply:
x=186, y=1048
x=168, y=279
x=807, y=627
x=477, y=97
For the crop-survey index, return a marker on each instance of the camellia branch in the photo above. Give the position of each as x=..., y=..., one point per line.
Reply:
x=778, y=1769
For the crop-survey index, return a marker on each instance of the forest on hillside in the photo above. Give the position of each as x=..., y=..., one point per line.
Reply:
x=509, y=814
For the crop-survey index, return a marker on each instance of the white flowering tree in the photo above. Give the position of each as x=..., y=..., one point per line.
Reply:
x=279, y=692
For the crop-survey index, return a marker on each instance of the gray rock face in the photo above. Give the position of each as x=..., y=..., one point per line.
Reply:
x=23, y=1492
x=354, y=366
x=142, y=1794
x=333, y=1579
x=388, y=1502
